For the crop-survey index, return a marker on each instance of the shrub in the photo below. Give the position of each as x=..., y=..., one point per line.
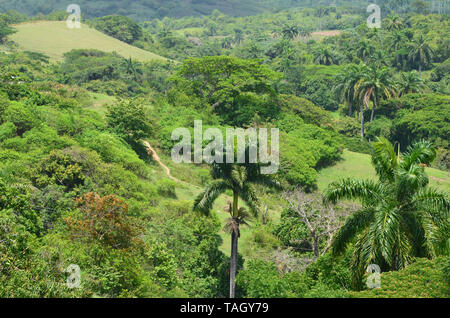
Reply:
x=166, y=187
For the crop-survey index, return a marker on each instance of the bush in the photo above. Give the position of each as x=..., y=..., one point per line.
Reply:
x=7, y=130
x=166, y=187
x=422, y=279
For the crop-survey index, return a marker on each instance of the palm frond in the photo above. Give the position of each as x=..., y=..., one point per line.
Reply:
x=354, y=224
x=430, y=198
x=205, y=200
x=384, y=159
x=386, y=228
x=365, y=190
x=421, y=152
x=250, y=198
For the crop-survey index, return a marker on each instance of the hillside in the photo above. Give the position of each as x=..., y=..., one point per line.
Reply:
x=148, y=9
x=100, y=174
x=357, y=165
x=54, y=38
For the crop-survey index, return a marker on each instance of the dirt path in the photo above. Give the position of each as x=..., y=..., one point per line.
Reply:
x=152, y=152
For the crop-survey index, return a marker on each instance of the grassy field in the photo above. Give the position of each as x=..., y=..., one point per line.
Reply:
x=54, y=38
x=357, y=165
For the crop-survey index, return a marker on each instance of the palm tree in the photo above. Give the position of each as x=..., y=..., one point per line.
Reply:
x=379, y=58
x=290, y=32
x=238, y=36
x=227, y=42
x=346, y=85
x=420, y=52
x=320, y=13
x=324, y=56
x=393, y=22
x=400, y=216
x=306, y=33
x=239, y=178
x=375, y=83
x=397, y=41
x=365, y=50
x=410, y=83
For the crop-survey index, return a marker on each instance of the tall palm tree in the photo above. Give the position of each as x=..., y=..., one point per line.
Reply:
x=410, y=83
x=397, y=42
x=401, y=217
x=345, y=88
x=420, y=52
x=320, y=13
x=238, y=36
x=375, y=83
x=239, y=178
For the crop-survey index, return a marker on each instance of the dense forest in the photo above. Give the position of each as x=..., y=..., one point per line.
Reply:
x=92, y=204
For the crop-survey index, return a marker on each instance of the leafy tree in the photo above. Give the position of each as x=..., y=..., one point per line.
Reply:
x=122, y=28
x=226, y=84
x=5, y=31
x=400, y=218
x=129, y=120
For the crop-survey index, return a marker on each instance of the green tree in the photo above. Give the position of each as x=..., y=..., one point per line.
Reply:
x=129, y=120
x=122, y=28
x=228, y=85
x=239, y=178
x=400, y=216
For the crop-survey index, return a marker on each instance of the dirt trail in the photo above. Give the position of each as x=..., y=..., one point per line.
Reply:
x=152, y=152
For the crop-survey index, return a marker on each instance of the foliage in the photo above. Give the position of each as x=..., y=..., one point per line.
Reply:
x=422, y=279
x=119, y=27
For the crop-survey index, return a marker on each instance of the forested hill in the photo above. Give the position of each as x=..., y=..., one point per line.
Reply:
x=147, y=9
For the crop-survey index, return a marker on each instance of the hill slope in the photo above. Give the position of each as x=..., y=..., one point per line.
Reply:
x=358, y=165
x=147, y=9
x=54, y=38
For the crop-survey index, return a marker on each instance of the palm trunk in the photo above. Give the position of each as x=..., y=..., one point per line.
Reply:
x=420, y=70
x=234, y=246
x=233, y=262
x=372, y=115
x=362, y=122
